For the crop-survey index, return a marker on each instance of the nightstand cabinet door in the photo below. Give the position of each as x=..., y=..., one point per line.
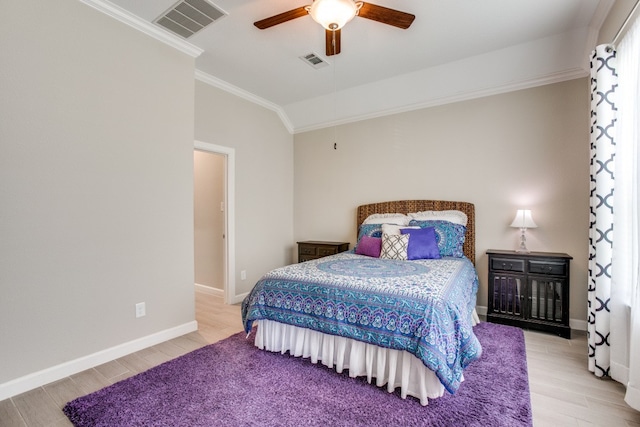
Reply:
x=530, y=290
x=313, y=249
x=546, y=298
x=507, y=294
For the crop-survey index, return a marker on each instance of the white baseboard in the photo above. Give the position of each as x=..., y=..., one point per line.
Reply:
x=209, y=290
x=578, y=325
x=239, y=298
x=55, y=373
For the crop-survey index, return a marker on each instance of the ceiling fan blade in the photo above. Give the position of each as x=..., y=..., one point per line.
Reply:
x=281, y=17
x=332, y=43
x=386, y=16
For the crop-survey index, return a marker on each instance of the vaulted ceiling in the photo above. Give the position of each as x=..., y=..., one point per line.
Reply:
x=454, y=50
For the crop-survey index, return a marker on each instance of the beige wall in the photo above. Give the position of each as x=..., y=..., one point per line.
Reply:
x=96, y=175
x=522, y=149
x=96, y=170
x=263, y=179
x=617, y=15
x=208, y=219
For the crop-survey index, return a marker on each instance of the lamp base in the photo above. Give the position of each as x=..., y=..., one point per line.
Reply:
x=523, y=242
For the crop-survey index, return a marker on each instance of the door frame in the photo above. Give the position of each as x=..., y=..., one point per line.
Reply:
x=229, y=215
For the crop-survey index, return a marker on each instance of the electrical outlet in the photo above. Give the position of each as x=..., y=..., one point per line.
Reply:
x=243, y=275
x=141, y=309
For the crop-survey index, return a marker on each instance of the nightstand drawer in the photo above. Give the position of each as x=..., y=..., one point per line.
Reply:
x=505, y=264
x=307, y=250
x=322, y=251
x=314, y=249
x=547, y=267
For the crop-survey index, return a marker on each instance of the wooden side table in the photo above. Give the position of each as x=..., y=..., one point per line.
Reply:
x=530, y=290
x=314, y=249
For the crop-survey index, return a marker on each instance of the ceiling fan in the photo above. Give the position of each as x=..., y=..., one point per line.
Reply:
x=334, y=14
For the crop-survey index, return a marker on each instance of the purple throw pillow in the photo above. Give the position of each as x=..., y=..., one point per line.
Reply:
x=370, y=246
x=422, y=243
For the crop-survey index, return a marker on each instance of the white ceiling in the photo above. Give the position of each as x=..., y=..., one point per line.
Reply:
x=454, y=50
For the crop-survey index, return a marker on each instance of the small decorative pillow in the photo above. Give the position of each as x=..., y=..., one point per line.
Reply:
x=422, y=243
x=450, y=236
x=369, y=246
x=371, y=230
x=394, y=246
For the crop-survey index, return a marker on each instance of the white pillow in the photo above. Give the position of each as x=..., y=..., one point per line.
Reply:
x=388, y=218
x=394, y=229
x=456, y=217
x=394, y=246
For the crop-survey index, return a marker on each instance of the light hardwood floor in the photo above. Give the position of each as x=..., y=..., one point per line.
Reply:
x=563, y=392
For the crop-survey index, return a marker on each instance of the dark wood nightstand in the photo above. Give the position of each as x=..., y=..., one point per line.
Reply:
x=530, y=290
x=312, y=249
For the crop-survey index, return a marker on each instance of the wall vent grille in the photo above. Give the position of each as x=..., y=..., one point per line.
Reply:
x=187, y=17
x=314, y=60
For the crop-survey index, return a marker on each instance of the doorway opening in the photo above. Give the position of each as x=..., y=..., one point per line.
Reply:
x=214, y=220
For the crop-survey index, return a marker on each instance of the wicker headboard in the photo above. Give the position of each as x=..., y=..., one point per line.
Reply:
x=407, y=206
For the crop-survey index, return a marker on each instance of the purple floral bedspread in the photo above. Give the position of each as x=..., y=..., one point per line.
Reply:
x=421, y=306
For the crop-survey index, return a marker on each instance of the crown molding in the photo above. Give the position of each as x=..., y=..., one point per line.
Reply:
x=227, y=87
x=572, y=74
x=575, y=73
x=141, y=25
x=526, y=84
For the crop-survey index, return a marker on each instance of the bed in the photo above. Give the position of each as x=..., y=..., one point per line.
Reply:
x=405, y=323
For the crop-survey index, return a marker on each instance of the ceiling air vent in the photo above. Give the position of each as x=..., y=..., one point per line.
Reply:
x=187, y=17
x=314, y=60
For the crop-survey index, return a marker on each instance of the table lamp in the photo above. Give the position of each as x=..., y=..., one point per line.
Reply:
x=523, y=220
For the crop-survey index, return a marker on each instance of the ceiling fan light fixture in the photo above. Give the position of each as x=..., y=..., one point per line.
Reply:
x=333, y=14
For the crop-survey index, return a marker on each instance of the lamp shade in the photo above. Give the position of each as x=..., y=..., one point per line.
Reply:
x=523, y=219
x=333, y=14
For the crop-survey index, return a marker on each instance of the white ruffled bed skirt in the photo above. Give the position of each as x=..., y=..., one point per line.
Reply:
x=393, y=368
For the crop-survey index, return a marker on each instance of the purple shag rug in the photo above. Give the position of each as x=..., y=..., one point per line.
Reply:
x=232, y=383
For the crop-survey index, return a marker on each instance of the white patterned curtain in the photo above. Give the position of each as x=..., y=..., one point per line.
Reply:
x=603, y=121
x=625, y=286
x=614, y=264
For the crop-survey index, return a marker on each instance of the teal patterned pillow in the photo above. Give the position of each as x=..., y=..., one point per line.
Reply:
x=449, y=236
x=371, y=230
